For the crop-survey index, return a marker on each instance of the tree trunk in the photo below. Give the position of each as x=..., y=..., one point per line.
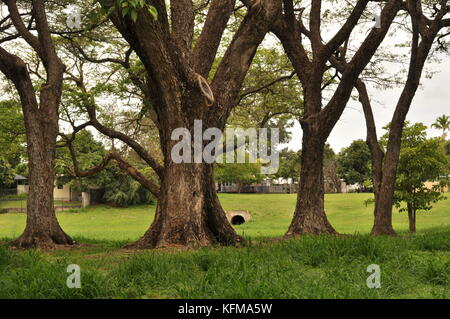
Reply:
x=384, y=196
x=383, y=213
x=309, y=215
x=411, y=218
x=188, y=213
x=42, y=228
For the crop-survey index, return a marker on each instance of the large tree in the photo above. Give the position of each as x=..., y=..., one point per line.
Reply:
x=176, y=66
x=313, y=59
x=40, y=110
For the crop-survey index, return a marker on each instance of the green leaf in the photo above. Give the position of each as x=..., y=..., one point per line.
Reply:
x=153, y=11
x=134, y=15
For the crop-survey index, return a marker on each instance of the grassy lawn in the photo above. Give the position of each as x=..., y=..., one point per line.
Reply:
x=310, y=267
x=271, y=215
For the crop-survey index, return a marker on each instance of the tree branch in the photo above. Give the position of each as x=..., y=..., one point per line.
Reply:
x=123, y=165
x=208, y=43
x=182, y=12
x=89, y=104
x=238, y=57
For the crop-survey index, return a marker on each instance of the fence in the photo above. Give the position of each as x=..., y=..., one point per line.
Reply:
x=8, y=192
x=18, y=203
x=260, y=189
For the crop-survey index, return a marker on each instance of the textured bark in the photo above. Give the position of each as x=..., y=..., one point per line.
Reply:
x=188, y=213
x=309, y=215
x=383, y=214
x=42, y=228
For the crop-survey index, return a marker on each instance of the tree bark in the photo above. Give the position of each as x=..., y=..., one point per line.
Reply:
x=41, y=123
x=383, y=174
x=318, y=119
x=42, y=228
x=188, y=213
x=309, y=215
x=385, y=165
x=411, y=218
x=383, y=213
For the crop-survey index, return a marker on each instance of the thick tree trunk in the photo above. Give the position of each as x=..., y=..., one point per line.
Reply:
x=42, y=228
x=188, y=213
x=309, y=215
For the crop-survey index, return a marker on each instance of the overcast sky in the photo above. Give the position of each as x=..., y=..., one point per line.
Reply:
x=431, y=101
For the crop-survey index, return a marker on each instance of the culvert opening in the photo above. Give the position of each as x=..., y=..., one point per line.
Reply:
x=237, y=220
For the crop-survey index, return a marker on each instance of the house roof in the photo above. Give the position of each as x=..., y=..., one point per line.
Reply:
x=19, y=178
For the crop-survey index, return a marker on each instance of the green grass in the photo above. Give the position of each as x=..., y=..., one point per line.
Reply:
x=309, y=267
x=271, y=215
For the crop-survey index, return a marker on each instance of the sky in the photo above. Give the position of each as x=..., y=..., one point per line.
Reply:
x=431, y=101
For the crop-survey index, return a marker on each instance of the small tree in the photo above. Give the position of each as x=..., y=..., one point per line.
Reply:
x=421, y=160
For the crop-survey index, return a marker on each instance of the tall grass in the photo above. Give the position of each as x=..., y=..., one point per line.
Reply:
x=29, y=275
x=307, y=267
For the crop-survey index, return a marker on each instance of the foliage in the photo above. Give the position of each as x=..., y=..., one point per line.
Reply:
x=354, y=163
x=12, y=134
x=289, y=165
x=118, y=188
x=6, y=174
x=121, y=190
x=132, y=7
x=270, y=95
x=421, y=161
x=238, y=173
x=89, y=153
